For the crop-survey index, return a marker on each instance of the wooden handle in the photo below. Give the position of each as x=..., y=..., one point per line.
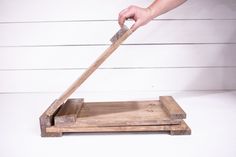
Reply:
x=88, y=72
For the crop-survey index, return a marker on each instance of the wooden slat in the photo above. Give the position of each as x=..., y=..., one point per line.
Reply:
x=142, y=56
x=172, y=108
x=118, y=116
x=83, y=33
x=182, y=128
x=111, y=80
x=48, y=121
x=27, y=10
x=123, y=113
x=68, y=112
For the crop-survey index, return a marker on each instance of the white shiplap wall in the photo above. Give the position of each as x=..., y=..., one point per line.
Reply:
x=45, y=45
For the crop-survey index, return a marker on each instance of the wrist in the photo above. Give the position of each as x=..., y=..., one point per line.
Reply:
x=151, y=12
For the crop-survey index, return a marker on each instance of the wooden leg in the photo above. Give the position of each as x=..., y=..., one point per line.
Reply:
x=48, y=121
x=180, y=129
x=50, y=134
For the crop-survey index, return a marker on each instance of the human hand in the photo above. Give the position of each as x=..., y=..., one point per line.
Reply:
x=141, y=16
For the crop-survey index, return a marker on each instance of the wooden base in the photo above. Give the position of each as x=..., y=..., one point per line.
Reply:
x=163, y=115
x=175, y=129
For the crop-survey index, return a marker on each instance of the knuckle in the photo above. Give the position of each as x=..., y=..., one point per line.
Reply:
x=122, y=16
x=131, y=7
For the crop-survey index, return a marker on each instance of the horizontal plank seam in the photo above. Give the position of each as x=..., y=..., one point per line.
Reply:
x=56, y=92
x=128, y=44
x=111, y=20
x=120, y=68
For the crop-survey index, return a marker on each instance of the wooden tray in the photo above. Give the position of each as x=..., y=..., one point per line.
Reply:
x=163, y=115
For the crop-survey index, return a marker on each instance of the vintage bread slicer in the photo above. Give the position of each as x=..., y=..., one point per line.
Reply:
x=75, y=115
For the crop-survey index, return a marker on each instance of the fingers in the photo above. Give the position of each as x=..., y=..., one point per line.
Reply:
x=139, y=15
x=121, y=18
x=125, y=14
x=135, y=26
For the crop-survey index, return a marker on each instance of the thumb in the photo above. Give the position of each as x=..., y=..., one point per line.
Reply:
x=135, y=26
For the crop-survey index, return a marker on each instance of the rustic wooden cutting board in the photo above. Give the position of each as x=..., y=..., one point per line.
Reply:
x=163, y=115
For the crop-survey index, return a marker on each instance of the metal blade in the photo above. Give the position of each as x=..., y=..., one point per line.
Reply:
x=119, y=34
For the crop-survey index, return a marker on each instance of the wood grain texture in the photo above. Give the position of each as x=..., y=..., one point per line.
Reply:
x=68, y=112
x=178, y=129
x=172, y=108
x=123, y=113
x=182, y=129
x=119, y=116
x=47, y=121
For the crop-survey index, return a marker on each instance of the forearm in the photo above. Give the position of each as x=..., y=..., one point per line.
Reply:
x=159, y=7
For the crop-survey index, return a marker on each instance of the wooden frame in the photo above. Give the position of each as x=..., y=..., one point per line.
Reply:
x=75, y=115
x=163, y=115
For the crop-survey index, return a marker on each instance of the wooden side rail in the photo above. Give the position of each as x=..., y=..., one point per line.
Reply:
x=172, y=108
x=68, y=112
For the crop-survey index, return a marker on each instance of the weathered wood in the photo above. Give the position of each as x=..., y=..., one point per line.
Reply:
x=120, y=116
x=172, y=108
x=76, y=116
x=181, y=129
x=178, y=129
x=123, y=113
x=88, y=72
x=67, y=113
x=48, y=121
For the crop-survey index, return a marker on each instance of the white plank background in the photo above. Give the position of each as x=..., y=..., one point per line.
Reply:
x=45, y=45
x=99, y=32
x=54, y=10
x=148, y=56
